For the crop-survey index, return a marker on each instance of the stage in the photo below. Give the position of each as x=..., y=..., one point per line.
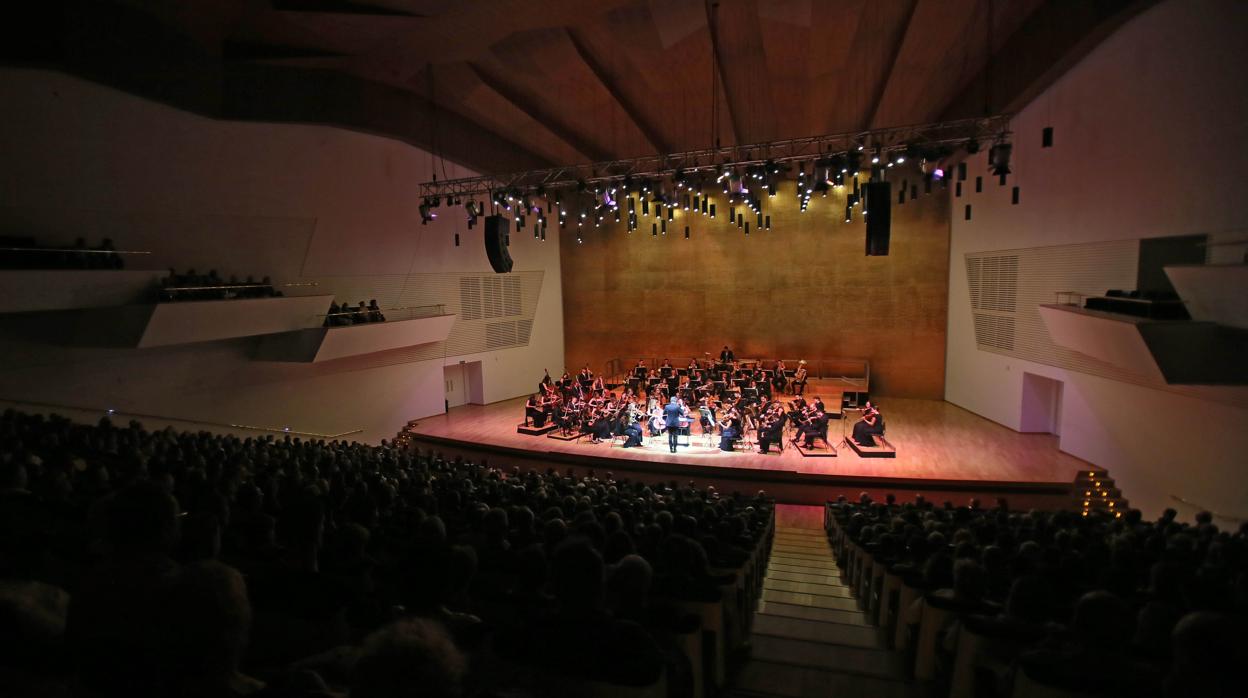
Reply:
x=939, y=448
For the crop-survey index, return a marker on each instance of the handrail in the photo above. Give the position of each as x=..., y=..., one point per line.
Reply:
x=74, y=250
x=1216, y=514
x=441, y=307
x=226, y=287
x=110, y=412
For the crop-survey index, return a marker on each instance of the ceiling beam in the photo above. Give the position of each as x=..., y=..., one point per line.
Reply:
x=882, y=87
x=712, y=21
x=265, y=92
x=1051, y=41
x=661, y=145
x=539, y=113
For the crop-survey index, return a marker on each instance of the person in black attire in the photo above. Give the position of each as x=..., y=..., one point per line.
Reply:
x=772, y=433
x=671, y=419
x=730, y=430
x=726, y=356
x=870, y=426
x=533, y=411
x=633, y=432
x=817, y=428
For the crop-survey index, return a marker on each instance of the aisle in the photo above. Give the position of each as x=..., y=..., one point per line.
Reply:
x=809, y=637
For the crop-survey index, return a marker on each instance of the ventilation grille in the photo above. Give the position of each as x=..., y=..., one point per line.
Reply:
x=470, y=298
x=993, y=282
x=994, y=331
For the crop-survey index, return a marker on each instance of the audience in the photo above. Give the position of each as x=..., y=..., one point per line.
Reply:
x=193, y=286
x=1098, y=604
x=142, y=563
x=344, y=315
x=20, y=252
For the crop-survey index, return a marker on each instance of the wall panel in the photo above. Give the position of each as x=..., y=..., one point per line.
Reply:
x=802, y=289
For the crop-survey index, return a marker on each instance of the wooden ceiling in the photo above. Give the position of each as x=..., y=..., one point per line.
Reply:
x=555, y=82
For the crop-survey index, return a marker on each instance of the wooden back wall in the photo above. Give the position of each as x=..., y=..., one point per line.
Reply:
x=802, y=289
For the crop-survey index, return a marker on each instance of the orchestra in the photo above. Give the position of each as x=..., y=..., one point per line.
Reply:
x=731, y=398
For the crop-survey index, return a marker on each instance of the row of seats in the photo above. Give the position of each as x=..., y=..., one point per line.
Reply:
x=24, y=252
x=993, y=603
x=145, y=563
x=193, y=286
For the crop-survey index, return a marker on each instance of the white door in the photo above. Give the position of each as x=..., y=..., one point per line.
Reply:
x=456, y=385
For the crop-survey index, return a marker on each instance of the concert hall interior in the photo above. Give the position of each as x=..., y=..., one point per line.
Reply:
x=684, y=348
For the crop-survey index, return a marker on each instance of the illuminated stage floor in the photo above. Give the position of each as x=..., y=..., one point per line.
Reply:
x=937, y=444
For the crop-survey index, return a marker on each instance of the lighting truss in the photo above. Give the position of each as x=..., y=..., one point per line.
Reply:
x=944, y=134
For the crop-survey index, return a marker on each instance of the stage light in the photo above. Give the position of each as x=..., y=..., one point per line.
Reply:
x=426, y=213
x=654, y=230
x=767, y=222
x=972, y=146
x=686, y=232
x=999, y=159
x=875, y=158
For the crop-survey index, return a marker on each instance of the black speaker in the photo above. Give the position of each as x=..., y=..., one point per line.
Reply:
x=496, y=244
x=879, y=208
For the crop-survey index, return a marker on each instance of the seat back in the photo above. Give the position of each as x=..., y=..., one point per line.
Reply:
x=1027, y=687
x=931, y=623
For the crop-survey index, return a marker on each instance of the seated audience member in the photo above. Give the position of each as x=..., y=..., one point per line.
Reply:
x=208, y=622
x=331, y=318
x=580, y=638
x=374, y=312
x=411, y=658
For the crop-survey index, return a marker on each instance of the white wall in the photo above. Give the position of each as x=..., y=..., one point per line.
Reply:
x=299, y=203
x=1148, y=141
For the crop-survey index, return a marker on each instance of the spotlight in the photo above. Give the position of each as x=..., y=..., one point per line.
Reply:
x=972, y=146
x=426, y=213
x=999, y=158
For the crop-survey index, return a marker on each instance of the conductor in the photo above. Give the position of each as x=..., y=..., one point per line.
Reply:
x=671, y=419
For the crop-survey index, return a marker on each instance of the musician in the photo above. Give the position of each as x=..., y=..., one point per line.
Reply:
x=639, y=370
x=600, y=426
x=685, y=389
x=799, y=378
x=726, y=356
x=729, y=429
x=816, y=427
x=599, y=387
x=819, y=404
x=533, y=410
x=633, y=432
x=869, y=426
x=586, y=375
x=570, y=415
x=666, y=369
x=655, y=414
x=693, y=365
x=779, y=379
x=771, y=430
x=546, y=385
x=671, y=420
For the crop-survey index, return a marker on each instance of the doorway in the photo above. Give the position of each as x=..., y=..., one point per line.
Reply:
x=1042, y=405
x=456, y=385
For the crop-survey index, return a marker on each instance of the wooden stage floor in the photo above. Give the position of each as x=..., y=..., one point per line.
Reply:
x=935, y=441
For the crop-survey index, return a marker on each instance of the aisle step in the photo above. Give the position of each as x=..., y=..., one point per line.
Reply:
x=834, y=603
x=864, y=636
x=763, y=678
x=808, y=561
x=819, y=655
x=826, y=579
x=807, y=588
x=827, y=615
